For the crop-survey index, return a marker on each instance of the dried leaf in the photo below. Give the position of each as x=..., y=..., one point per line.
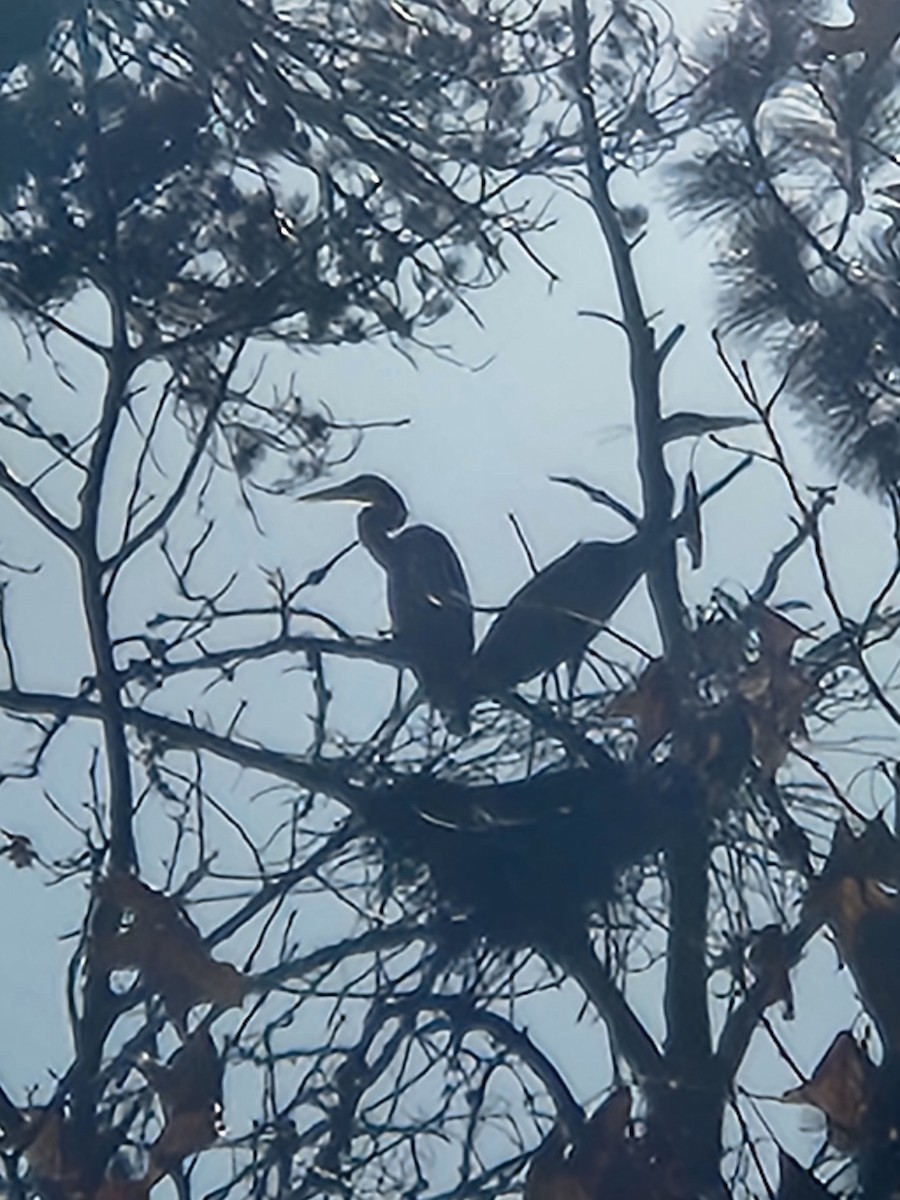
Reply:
x=54, y=1154
x=855, y=902
x=190, y=1089
x=549, y=1176
x=19, y=849
x=652, y=704
x=192, y=1078
x=717, y=745
x=875, y=962
x=186, y=974
x=796, y=1183
x=775, y=694
x=582, y=1174
x=774, y=691
x=167, y=949
x=184, y=1135
x=841, y=1087
x=124, y=1189
x=847, y=889
x=875, y=854
x=865, y=919
x=777, y=635
x=45, y=1146
x=57, y=1156
x=601, y=1141
x=841, y=856
x=769, y=960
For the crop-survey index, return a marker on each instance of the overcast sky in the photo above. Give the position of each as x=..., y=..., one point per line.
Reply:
x=550, y=397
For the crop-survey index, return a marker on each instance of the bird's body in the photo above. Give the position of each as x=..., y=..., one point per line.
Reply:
x=427, y=593
x=558, y=612
x=431, y=610
x=554, y=616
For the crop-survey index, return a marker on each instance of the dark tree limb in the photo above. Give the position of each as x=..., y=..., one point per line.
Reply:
x=743, y=1021
x=631, y=1039
x=687, y=1054
x=28, y=500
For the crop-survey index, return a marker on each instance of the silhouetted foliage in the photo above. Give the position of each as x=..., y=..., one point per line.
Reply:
x=796, y=144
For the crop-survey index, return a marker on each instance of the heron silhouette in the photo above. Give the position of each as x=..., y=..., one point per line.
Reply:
x=427, y=593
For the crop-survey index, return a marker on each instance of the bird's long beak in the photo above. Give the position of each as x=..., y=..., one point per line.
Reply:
x=340, y=491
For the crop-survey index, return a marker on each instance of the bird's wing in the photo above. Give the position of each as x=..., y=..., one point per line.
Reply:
x=537, y=629
x=554, y=616
x=430, y=559
x=554, y=587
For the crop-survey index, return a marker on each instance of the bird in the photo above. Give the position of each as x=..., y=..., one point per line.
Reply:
x=554, y=616
x=427, y=593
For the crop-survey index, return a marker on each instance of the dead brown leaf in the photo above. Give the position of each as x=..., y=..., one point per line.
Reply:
x=124, y=1189
x=189, y=1087
x=191, y=1079
x=841, y=1088
x=19, y=849
x=777, y=634
x=875, y=854
x=796, y=1183
x=602, y=1141
x=652, y=704
x=717, y=745
x=184, y=1135
x=550, y=1176
x=166, y=948
x=45, y=1145
x=775, y=694
x=875, y=961
x=849, y=897
x=603, y=1157
x=769, y=960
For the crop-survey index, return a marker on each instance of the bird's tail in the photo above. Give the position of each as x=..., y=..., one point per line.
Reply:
x=451, y=695
x=457, y=718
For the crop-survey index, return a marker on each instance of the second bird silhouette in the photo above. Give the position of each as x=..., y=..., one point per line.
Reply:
x=554, y=616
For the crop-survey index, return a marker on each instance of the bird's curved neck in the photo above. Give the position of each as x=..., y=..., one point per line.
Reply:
x=374, y=524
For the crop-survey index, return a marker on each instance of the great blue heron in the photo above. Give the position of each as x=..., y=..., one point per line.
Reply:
x=557, y=613
x=427, y=593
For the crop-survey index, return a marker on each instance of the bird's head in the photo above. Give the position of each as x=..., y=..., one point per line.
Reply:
x=369, y=490
x=364, y=489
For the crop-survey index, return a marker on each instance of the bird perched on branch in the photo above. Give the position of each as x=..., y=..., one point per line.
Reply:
x=427, y=593
x=557, y=613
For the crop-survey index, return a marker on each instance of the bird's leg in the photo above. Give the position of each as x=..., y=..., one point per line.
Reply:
x=565, y=696
x=593, y=660
x=573, y=666
x=397, y=706
x=559, y=693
